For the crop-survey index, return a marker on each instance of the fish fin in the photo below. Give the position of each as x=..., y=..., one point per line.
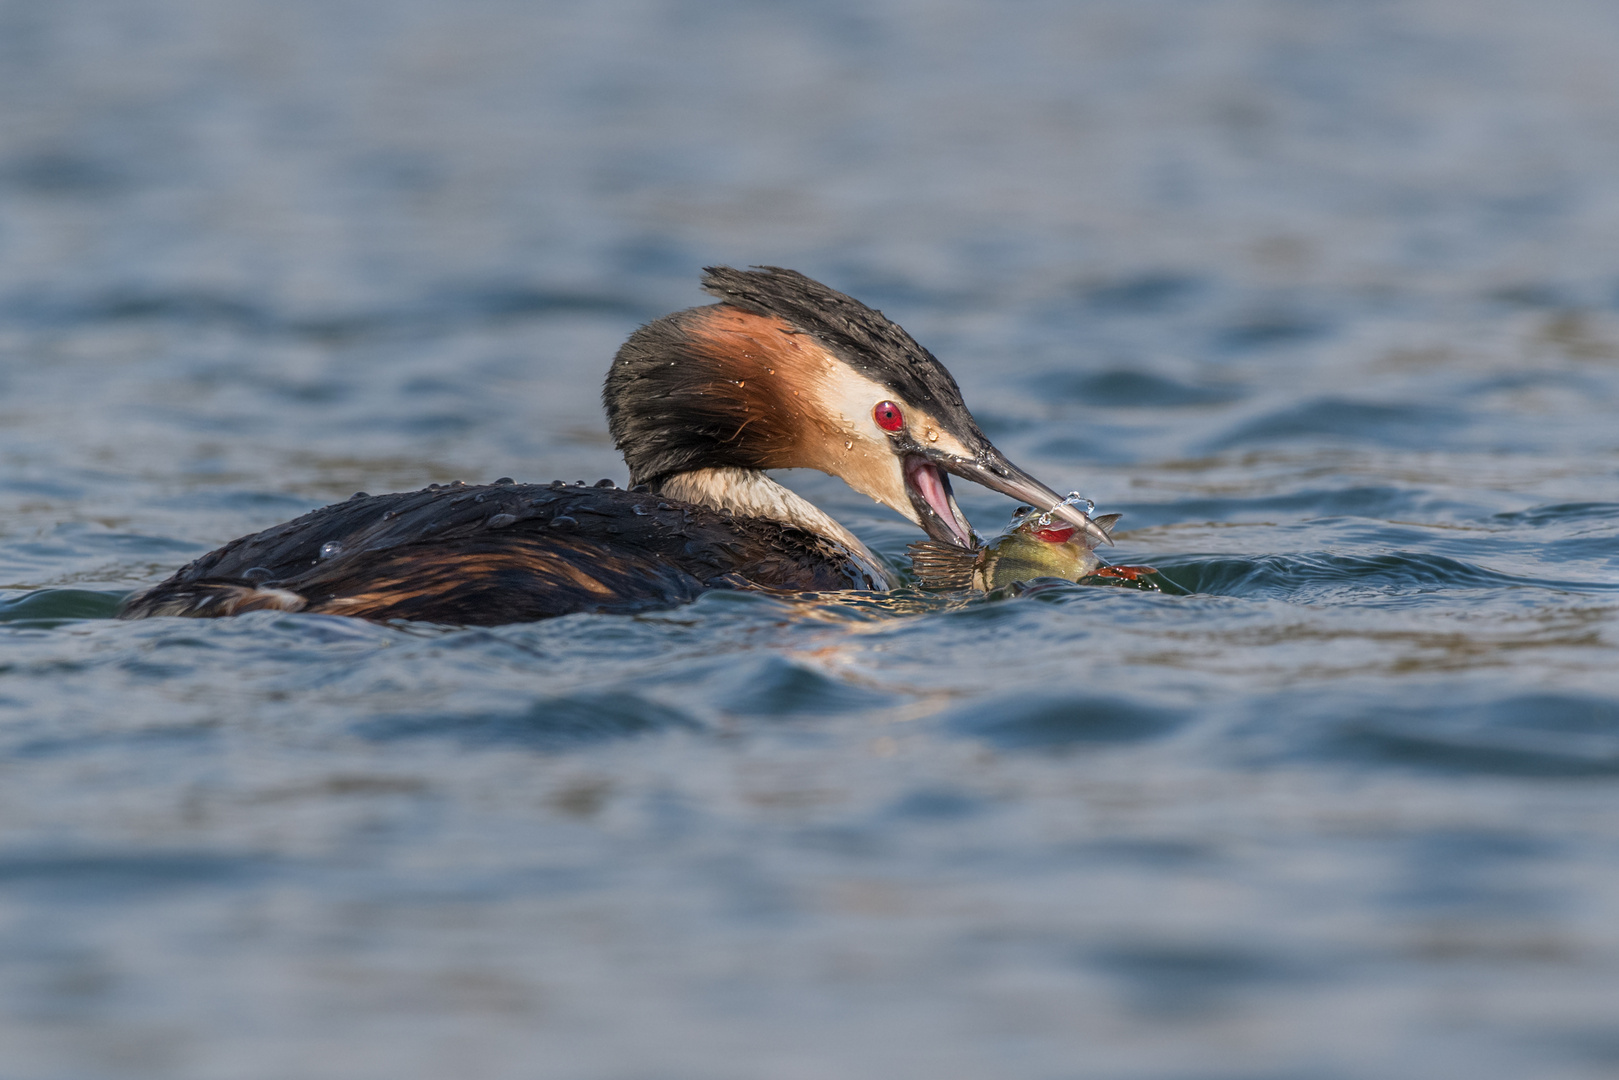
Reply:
x=1124, y=573
x=942, y=566
x=1106, y=522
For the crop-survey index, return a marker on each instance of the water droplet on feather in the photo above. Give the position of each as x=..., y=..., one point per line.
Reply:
x=331, y=549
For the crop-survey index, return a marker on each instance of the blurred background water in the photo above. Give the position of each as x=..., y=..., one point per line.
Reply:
x=1323, y=296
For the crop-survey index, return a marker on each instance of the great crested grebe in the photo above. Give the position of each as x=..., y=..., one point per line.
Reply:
x=782, y=373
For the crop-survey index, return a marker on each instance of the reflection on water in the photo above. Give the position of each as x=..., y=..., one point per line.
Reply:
x=1321, y=296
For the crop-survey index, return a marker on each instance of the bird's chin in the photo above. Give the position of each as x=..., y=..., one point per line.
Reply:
x=936, y=509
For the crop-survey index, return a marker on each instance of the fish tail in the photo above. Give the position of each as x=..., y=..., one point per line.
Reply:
x=942, y=566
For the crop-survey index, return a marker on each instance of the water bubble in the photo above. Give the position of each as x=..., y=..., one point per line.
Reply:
x=848, y=444
x=1045, y=518
x=933, y=436
x=638, y=510
x=1075, y=498
x=331, y=549
x=500, y=521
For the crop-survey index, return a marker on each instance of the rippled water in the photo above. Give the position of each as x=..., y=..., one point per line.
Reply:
x=1322, y=296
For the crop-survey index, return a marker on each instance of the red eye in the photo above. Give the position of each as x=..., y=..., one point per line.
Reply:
x=888, y=416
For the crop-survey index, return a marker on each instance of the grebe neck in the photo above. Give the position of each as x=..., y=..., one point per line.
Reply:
x=750, y=493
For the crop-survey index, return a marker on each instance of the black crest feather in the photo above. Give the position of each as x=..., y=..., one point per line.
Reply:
x=861, y=336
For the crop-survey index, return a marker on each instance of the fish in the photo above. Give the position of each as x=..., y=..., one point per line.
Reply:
x=1034, y=545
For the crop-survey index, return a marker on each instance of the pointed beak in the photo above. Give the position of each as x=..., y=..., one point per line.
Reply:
x=991, y=469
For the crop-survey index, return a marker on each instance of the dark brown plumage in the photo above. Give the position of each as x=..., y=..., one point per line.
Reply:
x=499, y=553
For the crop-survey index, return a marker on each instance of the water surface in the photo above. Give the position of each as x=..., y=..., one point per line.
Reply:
x=1321, y=296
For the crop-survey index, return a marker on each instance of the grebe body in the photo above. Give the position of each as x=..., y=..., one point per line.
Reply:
x=782, y=373
x=502, y=553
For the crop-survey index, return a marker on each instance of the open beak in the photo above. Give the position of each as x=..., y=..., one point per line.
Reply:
x=935, y=506
x=943, y=520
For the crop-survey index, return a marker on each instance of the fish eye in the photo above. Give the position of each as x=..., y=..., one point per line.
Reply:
x=888, y=416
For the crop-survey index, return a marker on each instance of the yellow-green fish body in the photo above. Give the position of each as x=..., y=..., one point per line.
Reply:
x=1033, y=546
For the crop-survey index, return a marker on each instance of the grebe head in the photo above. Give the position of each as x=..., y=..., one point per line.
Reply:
x=786, y=373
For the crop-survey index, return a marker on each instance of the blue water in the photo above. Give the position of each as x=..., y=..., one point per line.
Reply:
x=1322, y=296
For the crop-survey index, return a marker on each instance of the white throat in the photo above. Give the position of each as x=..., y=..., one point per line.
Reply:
x=750, y=493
